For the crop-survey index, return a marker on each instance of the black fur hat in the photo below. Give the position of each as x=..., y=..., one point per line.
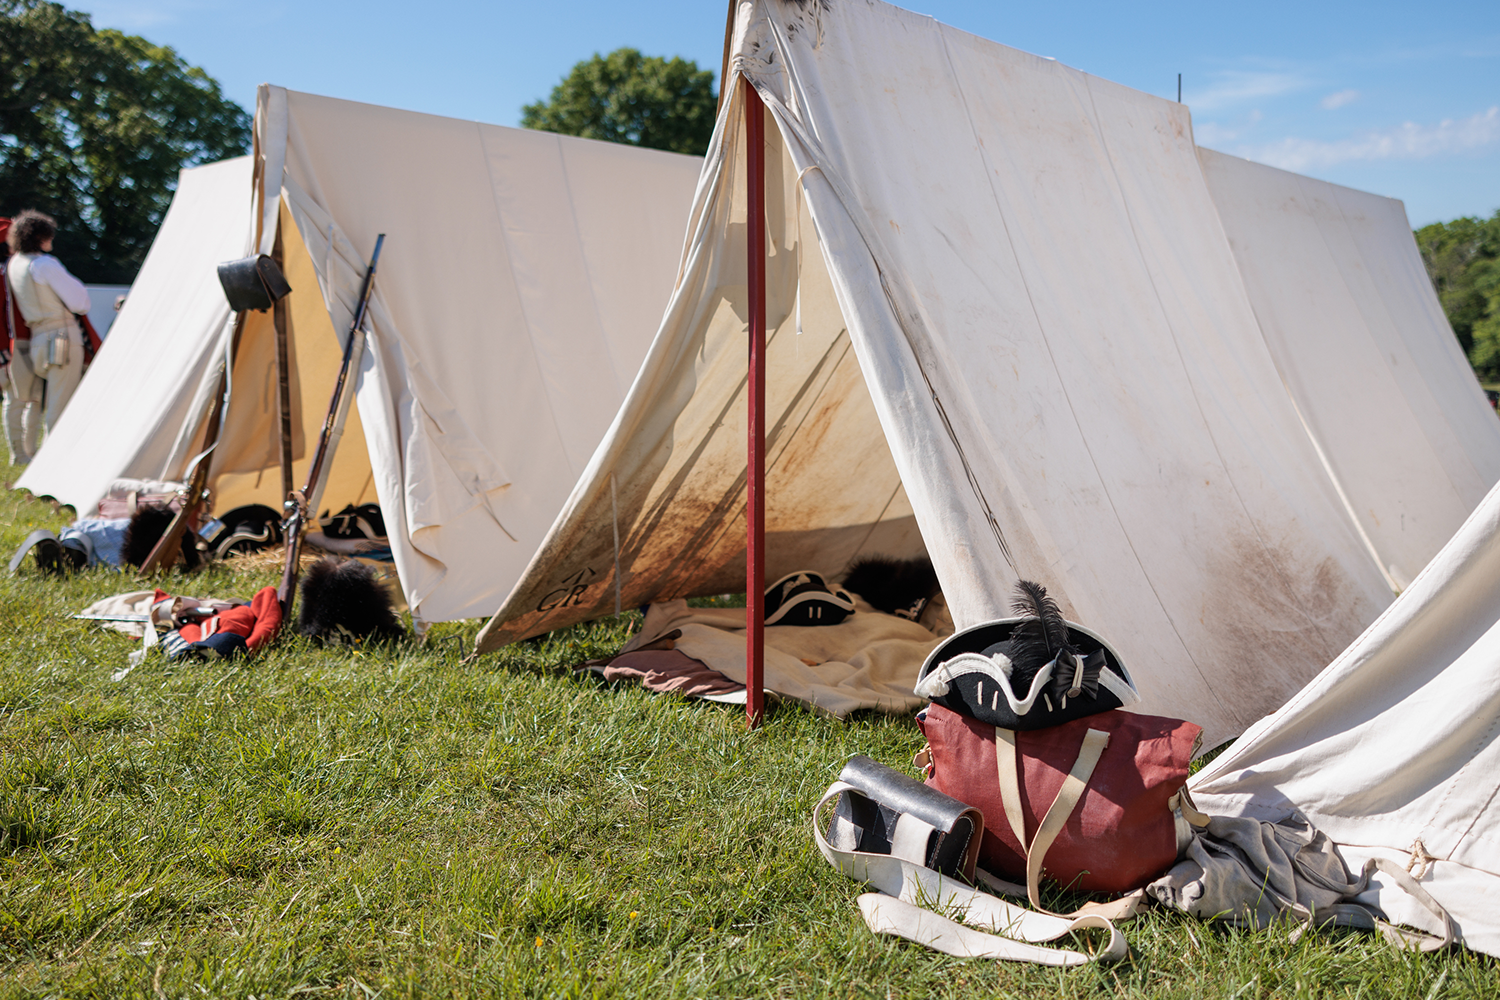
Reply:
x=149, y=522
x=343, y=602
x=896, y=586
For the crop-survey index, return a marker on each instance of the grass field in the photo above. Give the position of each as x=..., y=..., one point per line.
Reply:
x=395, y=823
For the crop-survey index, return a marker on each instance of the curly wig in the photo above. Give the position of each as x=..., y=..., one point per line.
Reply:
x=29, y=230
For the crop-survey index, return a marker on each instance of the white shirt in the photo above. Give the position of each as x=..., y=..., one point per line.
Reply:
x=49, y=271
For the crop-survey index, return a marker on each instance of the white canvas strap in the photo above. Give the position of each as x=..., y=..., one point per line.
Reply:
x=1362, y=917
x=1073, y=786
x=1010, y=787
x=911, y=837
x=1005, y=931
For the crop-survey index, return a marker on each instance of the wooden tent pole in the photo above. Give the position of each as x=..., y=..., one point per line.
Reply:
x=755, y=477
x=283, y=378
x=165, y=553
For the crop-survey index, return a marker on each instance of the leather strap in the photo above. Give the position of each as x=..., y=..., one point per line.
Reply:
x=1006, y=765
x=1183, y=803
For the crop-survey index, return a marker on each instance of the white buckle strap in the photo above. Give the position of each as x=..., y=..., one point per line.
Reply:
x=1008, y=932
x=1006, y=768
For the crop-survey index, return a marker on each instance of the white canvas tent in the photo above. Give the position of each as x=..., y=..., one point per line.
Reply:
x=135, y=414
x=523, y=276
x=1357, y=332
x=1004, y=318
x=1392, y=749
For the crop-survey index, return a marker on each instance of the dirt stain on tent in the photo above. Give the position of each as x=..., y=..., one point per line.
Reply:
x=1278, y=618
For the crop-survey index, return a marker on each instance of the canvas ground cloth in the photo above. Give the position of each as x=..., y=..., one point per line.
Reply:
x=869, y=660
x=135, y=414
x=1351, y=317
x=1004, y=319
x=1392, y=751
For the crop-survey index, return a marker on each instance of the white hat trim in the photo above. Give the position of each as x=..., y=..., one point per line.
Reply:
x=937, y=683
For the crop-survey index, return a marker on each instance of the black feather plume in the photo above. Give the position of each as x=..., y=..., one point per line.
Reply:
x=1036, y=642
x=1032, y=602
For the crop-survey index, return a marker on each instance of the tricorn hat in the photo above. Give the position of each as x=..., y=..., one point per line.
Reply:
x=1030, y=671
x=806, y=598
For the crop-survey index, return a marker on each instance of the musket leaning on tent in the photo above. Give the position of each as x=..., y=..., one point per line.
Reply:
x=299, y=502
x=251, y=283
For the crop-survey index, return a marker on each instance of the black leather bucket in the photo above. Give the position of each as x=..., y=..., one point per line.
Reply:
x=252, y=282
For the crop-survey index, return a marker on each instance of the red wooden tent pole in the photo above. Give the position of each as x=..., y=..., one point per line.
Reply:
x=755, y=476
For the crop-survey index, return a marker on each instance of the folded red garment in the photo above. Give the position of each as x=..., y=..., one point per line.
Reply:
x=664, y=670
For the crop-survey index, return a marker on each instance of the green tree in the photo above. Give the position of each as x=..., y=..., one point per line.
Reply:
x=627, y=97
x=94, y=126
x=1463, y=260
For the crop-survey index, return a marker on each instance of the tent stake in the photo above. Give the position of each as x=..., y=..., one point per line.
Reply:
x=755, y=513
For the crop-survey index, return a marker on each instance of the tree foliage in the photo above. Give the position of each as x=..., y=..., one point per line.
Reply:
x=94, y=126
x=1463, y=259
x=627, y=97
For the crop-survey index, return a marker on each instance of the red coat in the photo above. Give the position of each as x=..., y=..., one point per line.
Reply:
x=10, y=310
x=256, y=622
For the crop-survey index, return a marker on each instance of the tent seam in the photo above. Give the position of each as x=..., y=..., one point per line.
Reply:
x=1041, y=329
x=510, y=272
x=1192, y=385
x=614, y=366
x=1380, y=292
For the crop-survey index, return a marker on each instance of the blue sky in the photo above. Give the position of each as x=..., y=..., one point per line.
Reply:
x=1400, y=99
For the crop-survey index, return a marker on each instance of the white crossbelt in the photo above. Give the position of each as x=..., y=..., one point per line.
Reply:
x=999, y=929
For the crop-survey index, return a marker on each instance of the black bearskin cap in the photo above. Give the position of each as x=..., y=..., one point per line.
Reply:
x=149, y=522
x=893, y=585
x=342, y=601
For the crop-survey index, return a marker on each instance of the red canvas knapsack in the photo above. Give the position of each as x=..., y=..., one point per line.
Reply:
x=1120, y=832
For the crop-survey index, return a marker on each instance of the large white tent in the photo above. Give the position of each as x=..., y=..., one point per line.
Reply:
x=1357, y=332
x=1392, y=749
x=1004, y=318
x=523, y=276
x=137, y=410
